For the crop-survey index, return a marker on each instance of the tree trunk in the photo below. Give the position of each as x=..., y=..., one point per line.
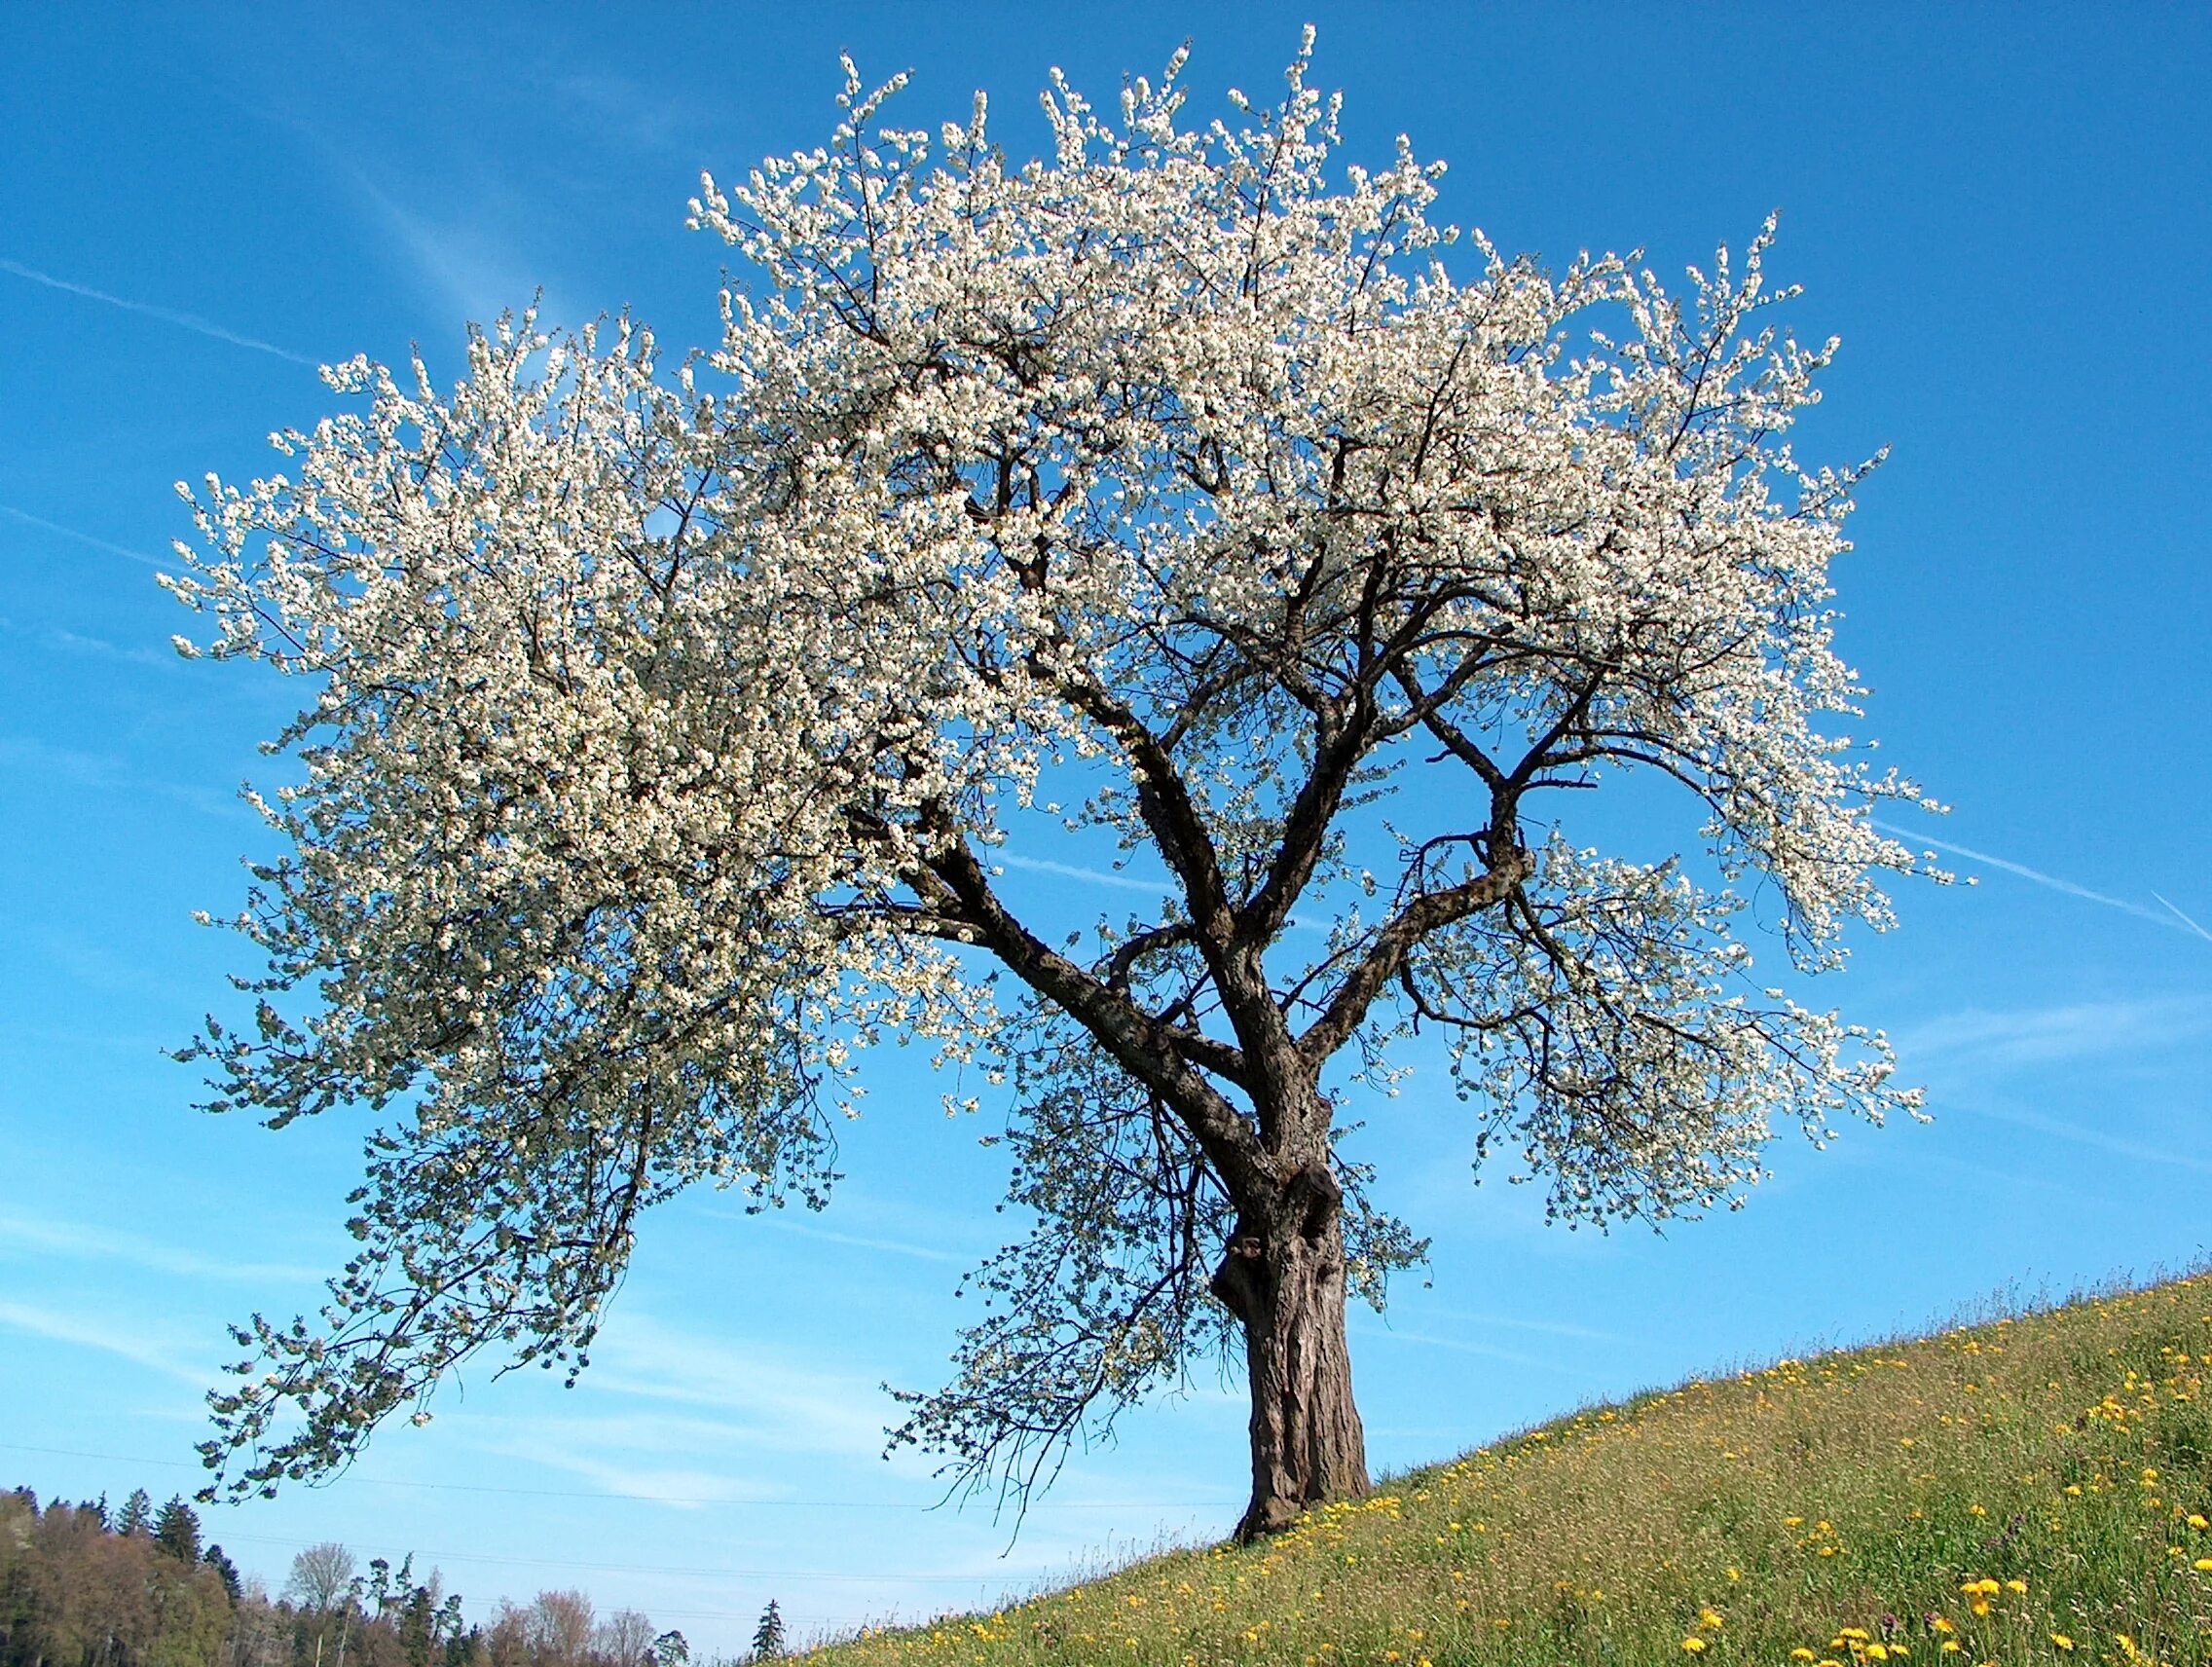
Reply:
x=1284, y=1276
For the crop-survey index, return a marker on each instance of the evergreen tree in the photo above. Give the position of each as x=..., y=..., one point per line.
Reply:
x=465, y=1649
x=768, y=1636
x=137, y=1514
x=672, y=1650
x=176, y=1531
x=225, y=1570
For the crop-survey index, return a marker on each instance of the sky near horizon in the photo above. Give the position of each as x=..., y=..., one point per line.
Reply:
x=2000, y=212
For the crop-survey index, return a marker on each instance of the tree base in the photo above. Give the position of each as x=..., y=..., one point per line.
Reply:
x=1283, y=1278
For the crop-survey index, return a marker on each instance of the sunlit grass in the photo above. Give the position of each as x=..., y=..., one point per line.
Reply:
x=2034, y=1489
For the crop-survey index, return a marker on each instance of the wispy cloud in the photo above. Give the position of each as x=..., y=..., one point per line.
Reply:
x=126, y=1342
x=100, y=771
x=648, y=115
x=80, y=1243
x=1512, y=1322
x=891, y=1246
x=769, y=1399
x=1989, y=1039
x=629, y=1458
x=2120, y=1145
x=167, y=315
x=452, y=259
x=1461, y=1345
x=100, y=648
x=2165, y=917
x=72, y=532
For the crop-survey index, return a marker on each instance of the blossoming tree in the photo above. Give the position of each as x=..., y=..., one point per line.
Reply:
x=1176, y=486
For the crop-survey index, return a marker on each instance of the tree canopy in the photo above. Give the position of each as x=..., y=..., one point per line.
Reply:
x=1182, y=488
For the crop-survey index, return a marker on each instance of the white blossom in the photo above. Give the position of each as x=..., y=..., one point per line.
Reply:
x=662, y=727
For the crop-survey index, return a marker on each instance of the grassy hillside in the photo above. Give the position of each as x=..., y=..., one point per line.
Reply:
x=2031, y=1490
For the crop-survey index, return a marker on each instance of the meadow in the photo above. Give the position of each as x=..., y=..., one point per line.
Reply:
x=2030, y=1488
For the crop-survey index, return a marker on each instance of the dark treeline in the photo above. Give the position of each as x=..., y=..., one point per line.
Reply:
x=82, y=1587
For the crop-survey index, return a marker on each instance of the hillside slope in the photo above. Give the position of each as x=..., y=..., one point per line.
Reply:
x=2031, y=1490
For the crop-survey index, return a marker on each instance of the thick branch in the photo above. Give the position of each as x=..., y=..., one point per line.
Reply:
x=1509, y=867
x=1139, y=1044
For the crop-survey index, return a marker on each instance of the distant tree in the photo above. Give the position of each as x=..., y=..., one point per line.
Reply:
x=321, y=1576
x=21, y=1578
x=672, y=1650
x=768, y=1636
x=664, y=729
x=265, y=1635
x=121, y=1595
x=424, y=1616
x=465, y=1646
x=624, y=1638
x=560, y=1629
x=225, y=1570
x=176, y=1531
x=386, y=1589
x=192, y=1611
x=506, y=1642
x=136, y=1515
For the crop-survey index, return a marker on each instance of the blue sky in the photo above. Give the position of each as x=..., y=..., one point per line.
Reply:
x=2001, y=212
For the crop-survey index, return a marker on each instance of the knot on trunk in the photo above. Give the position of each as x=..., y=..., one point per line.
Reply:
x=1299, y=1224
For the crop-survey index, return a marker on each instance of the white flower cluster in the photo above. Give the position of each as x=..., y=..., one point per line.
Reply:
x=661, y=717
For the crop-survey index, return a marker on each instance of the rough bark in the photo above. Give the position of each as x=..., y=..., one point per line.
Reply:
x=1283, y=1278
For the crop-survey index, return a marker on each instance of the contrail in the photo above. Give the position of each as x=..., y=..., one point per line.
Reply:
x=2139, y=910
x=167, y=314
x=60, y=530
x=1069, y=872
x=2185, y=921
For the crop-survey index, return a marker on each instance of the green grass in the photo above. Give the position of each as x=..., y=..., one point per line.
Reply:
x=2034, y=1489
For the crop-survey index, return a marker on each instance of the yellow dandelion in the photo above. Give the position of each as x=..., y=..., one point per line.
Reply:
x=1710, y=1620
x=1876, y=1652
x=2197, y=1522
x=2018, y=1589
x=1694, y=1646
x=2062, y=1640
x=1800, y=1653
x=1949, y=1646
x=2203, y=1565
